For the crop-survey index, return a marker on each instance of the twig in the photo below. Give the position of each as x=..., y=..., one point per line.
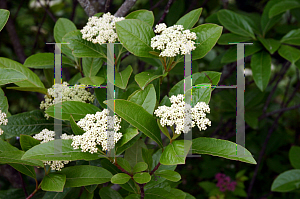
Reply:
x=155, y=168
x=281, y=110
x=81, y=191
x=23, y=185
x=107, y=4
x=295, y=90
x=285, y=93
x=126, y=55
x=74, y=5
x=166, y=11
x=88, y=7
x=125, y=7
x=38, y=33
x=48, y=11
x=17, y=12
x=156, y=5
x=142, y=190
x=123, y=170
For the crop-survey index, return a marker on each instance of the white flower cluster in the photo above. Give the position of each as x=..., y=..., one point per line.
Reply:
x=76, y=93
x=3, y=121
x=172, y=40
x=176, y=115
x=96, y=126
x=101, y=30
x=46, y=136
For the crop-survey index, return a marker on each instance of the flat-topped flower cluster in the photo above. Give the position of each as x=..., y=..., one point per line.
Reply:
x=173, y=40
x=101, y=30
x=3, y=121
x=179, y=115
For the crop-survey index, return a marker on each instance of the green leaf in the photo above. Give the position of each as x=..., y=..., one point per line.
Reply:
x=294, y=155
x=134, y=154
x=266, y=22
x=130, y=143
x=128, y=135
x=75, y=128
x=235, y=23
x=164, y=129
x=143, y=15
x=158, y=193
x=190, y=19
x=58, y=150
x=261, y=69
x=45, y=61
x=146, y=98
x=142, y=178
x=57, y=195
x=175, y=153
x=124, y=164
x=87, y=195
x=169, y=175
x=135, y=35
x=178, y=193
x=61, y=28
x=4, y=15
x=121, y=78
x=91, y=188
x=144, y=78
x=140, y=166
x=8, y=157
x=3, y=102
x=91, y=66
x=100, y=94
x=83, y=48
x=54, y=182
x=201, y=95
x=289, y=53
x=27, y=142
x=138, y=117
x=120, y=178
x=109, y=193
x=74, y=79
x=77, y=109
x=32, y=80
x=95, y=80
x=25, y=169
x=27, y=123
x=221, y=148
x=32, y=89
x=133, y=196
x=287, y=181
x=271, y=45
x=291, y=37
x=282, y=7
x=84, y=175
x=11, y=76
x=5, y=146
x=227, y=38
x=147, y=157
x=207, y=37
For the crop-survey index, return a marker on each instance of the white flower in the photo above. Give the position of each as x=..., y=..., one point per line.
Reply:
x=176, y=114
x=173, y=40
x=101, y=30
x=46, y=136
x=76, y=93
x=95, y=126
x=3, y=121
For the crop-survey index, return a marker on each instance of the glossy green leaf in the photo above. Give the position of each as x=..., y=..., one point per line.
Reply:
x=291, y=37
x=100, y=94
x=124, y=164
x=207, y=37
x=143, y=15
x=5, y=146
x=261, y=69
x=84, y=175
x=190, y=19
x=25, y=169
x=32, y=89
x=77, y=109
x=289, y=53
x=91, y=188
x=146, y=98
x=75, y=128
x=32, y=80
x=158, y=193
x=134, y=154
x=140, y=166
x=287, y=181
x=54, y=182
x=178, y=193
x=227, y=38
x=95, y=80
x=142, y=178
x=294, y=155
x=266, y=22
x=147, y=157
x=11, y=76
x=109, y=193
x=120, y=178
x=4, y=15
x=235, y=23
x=200, y=94
x=57, y=195
x=138, y=117
x=164, y=129
x=135, y=35
x=9, y=157
x=91, y=66
x=83, y=48
x=87, y=195
x=58, y=150
x=271, y=45
x=176, y=152
x=144, y=78
x=221, y=148
x=282, y=7
x=169, y=175
x=61, y=28
x=45, y=61
x=121, y=78
x=127, y=145
x=27, y=123
x=27, y=142
x=128, y=135
x=133, y=196
x=3, y=102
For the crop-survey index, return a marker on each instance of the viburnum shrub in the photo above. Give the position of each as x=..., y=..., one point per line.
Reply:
x=139, y=161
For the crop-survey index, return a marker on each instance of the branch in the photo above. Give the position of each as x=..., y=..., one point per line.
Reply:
x=166, y=11
x=107, y=4
x=38, y=32
x=74, y=5
x=155, y=168
x=156, y=5
x=48, y=11
x=89, y=9
x=23, y=185
x=281, y=110
x=123, y=170
x=125, y=7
